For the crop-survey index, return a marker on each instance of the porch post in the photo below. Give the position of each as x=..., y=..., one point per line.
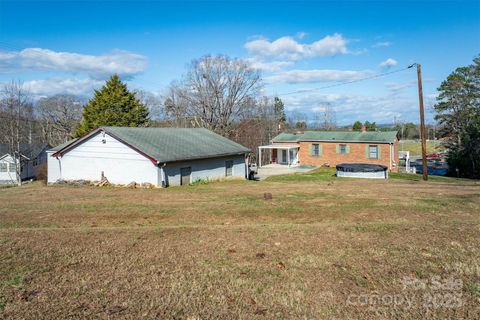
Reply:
x=288, y=157
x=259, y=157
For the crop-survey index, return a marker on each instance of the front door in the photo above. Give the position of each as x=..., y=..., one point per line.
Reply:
x=185, y=175
x=284, y=156
x=228, y=168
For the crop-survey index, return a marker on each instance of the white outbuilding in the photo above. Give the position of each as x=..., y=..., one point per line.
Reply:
x=160, y=156
x=32, y=158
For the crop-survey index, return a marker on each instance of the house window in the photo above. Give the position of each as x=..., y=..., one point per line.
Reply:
x=228, y=168
x=343, y=148
x=315, y=149
x=12, y=167
x=3, y=167
x=373, y=152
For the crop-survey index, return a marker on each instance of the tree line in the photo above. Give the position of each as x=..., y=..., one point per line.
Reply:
x=223, y=95
x=217, y=92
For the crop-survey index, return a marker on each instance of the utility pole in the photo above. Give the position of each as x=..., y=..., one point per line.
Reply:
x=422, y=123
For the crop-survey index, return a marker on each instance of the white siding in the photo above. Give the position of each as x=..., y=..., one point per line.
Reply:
x=211, y=169
x=7, y=177
x=120, y=163
x=28, y=170
x=53, y=168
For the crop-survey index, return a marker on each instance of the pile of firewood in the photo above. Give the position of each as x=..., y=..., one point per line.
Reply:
x=102, y=183
x=105, y=183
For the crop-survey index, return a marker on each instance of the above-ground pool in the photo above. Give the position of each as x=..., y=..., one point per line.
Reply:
x=362, y=170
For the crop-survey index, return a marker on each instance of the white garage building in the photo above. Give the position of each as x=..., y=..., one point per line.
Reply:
x=160, y=156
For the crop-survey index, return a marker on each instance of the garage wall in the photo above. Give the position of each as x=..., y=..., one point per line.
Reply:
x=53, y=168
x=211, y=169
x=120, y=163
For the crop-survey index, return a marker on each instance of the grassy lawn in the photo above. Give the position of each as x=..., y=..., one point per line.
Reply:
x=322, y=247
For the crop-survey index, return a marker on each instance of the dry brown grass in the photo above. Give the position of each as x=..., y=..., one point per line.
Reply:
x=221, y=251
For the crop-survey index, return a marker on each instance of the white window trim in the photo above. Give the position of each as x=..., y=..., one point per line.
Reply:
x=370, y=152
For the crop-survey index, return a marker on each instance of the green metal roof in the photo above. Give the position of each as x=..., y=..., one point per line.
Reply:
x=343, y=136
x=173, y=144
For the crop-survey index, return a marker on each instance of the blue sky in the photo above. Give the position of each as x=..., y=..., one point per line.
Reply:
x=57, y=47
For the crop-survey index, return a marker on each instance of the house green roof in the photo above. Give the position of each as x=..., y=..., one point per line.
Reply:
x=342, y=136
x=171, y=144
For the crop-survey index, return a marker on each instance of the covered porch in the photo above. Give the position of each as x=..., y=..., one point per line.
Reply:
x=284, y=154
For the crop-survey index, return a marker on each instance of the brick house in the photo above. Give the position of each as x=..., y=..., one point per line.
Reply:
x=329, y=148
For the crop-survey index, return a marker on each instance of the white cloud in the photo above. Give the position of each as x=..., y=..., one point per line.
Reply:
x=269, y=66
x=388, y=63
x=384, y=44
x=315, y=75
x=52, y=86
x=121, y=62
x=288, y=48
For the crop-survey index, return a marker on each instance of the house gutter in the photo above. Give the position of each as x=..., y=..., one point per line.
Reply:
x=391, y=164
x=162, y=175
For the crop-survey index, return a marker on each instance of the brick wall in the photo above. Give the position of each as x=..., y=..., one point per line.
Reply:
x=357, y=154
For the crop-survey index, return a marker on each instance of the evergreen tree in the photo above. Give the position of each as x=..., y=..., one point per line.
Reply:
x=458, y=110
x=280, y=110
x=113, y=105
x=357, y=126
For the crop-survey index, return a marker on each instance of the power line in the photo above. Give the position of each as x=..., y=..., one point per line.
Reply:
x=348, y=82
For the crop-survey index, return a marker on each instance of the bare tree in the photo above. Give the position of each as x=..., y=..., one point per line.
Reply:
x=16, y=114
x=329, y=117
x=298, y=120
x=59, y=116
x=259, y=126
x=316, y=120
x=215, y=92
x=176, y=106
x=153, y=103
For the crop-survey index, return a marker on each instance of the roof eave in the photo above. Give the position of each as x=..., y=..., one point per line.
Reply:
x=319, y=140
x=66, y=148
x=350, y=141
x=149, y=157
x=205, y=157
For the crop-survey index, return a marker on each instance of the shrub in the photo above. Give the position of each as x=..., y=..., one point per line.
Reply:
x=41, y=172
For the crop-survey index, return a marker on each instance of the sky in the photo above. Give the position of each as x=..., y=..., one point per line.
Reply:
x=300, y=47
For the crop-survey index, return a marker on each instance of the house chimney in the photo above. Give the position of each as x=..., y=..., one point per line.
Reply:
x=363, y=128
